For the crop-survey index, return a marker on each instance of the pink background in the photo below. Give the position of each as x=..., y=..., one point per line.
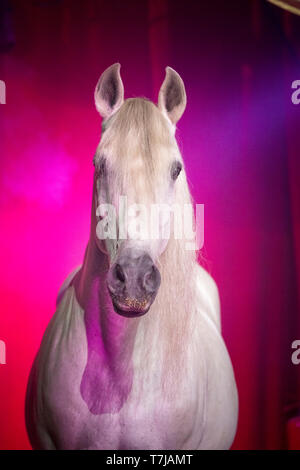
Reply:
x=240, y=140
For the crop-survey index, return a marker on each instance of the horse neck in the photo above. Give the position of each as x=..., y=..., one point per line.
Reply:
x=109, y=335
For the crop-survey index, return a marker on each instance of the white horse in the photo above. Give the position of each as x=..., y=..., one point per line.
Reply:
x=108, y=374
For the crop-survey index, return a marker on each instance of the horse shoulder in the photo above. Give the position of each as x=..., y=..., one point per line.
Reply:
x=209, y=298
x=221, y=403
x=53, y=389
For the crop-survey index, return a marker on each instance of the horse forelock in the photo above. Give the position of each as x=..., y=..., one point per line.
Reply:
x=138, y=144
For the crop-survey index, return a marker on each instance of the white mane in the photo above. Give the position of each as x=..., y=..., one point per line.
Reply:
x=138, y=136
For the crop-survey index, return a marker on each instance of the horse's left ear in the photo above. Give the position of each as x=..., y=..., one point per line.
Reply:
x=109, y=92
x=172, y=96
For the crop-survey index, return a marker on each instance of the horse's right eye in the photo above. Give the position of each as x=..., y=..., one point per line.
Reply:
x=101, y=167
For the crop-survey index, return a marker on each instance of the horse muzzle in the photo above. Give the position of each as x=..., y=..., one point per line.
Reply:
x=133, y=282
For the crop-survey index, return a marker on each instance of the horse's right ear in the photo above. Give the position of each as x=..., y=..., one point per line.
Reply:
x=109, y=92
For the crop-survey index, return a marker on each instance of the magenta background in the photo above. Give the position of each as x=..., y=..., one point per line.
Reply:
x=240, y=140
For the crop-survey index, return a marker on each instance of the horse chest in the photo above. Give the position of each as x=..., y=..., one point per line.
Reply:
x=146, y=421
x=150, y=418
x=96, y=416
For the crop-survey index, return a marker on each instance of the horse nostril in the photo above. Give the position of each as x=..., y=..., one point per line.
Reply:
x=119, y=273
x=151, y=280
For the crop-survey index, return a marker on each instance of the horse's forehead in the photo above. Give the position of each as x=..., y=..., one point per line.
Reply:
x=139, y=183
x=139, y=186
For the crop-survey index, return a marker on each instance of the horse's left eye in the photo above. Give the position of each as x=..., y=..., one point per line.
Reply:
x=175, y=170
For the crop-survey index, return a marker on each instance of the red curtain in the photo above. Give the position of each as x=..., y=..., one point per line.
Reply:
x=240, y=140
